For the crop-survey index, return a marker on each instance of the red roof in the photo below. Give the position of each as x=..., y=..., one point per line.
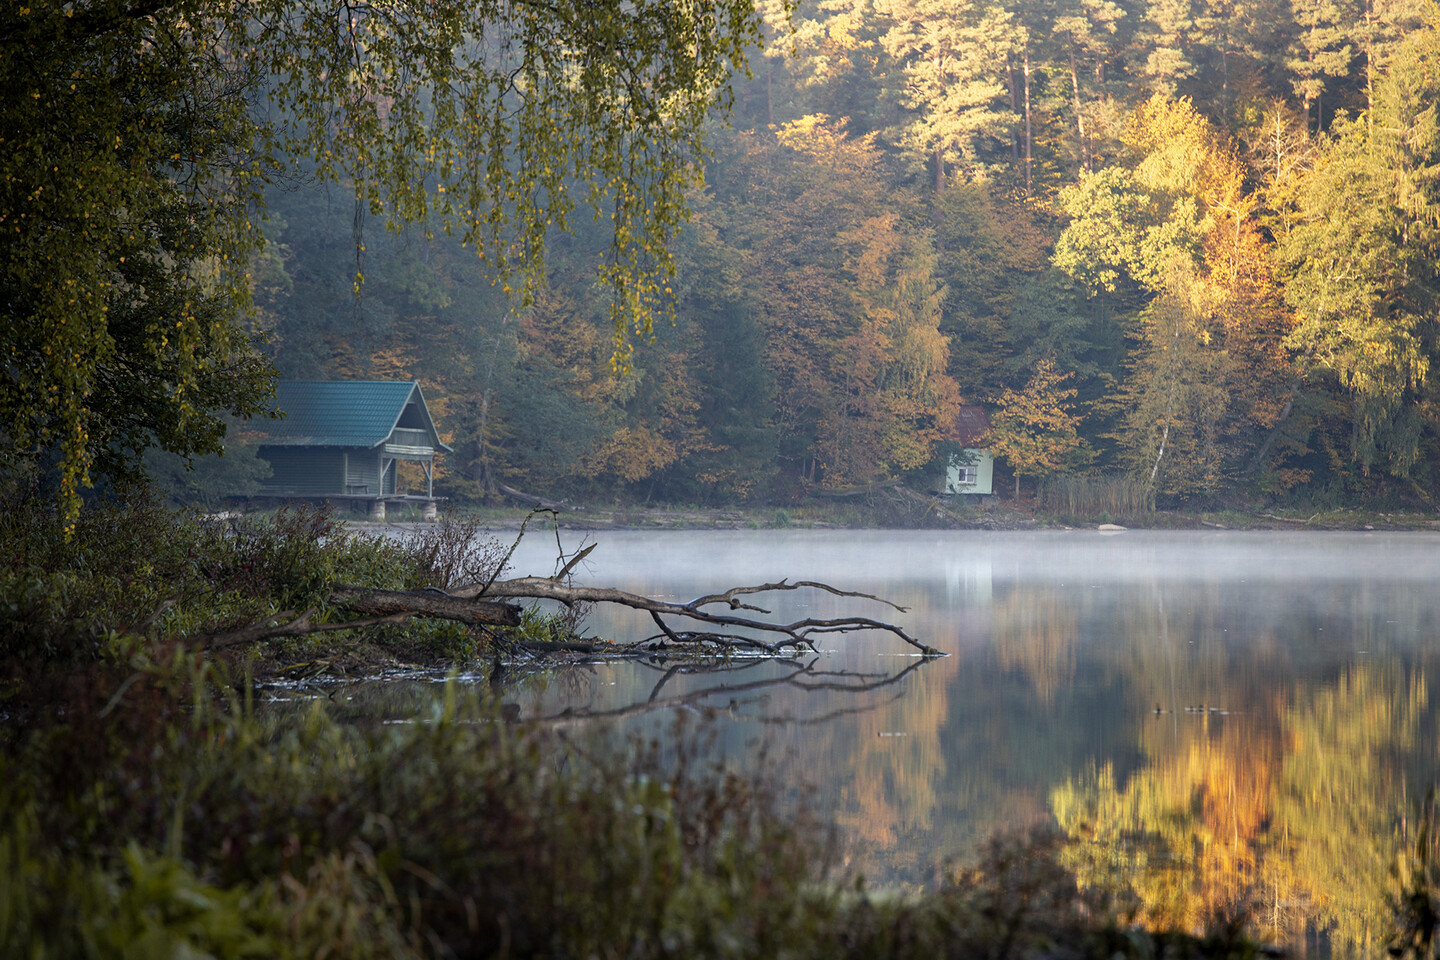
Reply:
x=970, y=424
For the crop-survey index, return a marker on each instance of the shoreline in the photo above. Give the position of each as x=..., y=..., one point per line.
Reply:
x=990, y=517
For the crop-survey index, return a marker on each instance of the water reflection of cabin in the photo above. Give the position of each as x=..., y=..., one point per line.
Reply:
x=343, y=440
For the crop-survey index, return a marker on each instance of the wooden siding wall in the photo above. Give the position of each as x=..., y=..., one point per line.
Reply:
x=305, y=471
x=327, y=471
x=363, y=472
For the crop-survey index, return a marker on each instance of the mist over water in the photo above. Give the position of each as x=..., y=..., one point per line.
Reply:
x=1223, y=720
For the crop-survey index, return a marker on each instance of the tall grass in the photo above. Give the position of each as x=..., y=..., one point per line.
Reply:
x=1118, y=497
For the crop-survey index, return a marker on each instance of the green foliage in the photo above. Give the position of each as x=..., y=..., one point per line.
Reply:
x=134, y=165
x=152, y=813
x=210, y=480
x=1362, y=260
x=952, y=56
x=137, y=569
x=126, y=191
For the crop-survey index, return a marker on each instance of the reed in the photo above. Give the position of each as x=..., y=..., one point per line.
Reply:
x=1119, y=497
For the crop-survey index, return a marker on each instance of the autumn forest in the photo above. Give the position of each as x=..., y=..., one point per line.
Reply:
x=1190, y=242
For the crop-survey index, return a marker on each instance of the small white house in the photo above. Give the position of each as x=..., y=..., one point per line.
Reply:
x=972, y=470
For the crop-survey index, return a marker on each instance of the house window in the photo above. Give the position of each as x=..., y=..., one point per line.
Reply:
x=967, y=476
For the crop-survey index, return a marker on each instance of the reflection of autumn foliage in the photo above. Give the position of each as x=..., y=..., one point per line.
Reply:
x=1186, y=832
x=1344, y=799
x=1294, y=831
x=894, y=791
x=1035, y=632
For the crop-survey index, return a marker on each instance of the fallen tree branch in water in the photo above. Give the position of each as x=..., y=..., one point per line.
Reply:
x=724, y=621
x=426, y=603
x=794, y=635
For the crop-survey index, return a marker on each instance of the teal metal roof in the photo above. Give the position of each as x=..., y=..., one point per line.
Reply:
x=342, y=413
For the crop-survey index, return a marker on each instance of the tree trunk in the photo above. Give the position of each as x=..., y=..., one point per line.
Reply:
x=1225, y=71
x=1369, y=62
x=1079, y=114
x=769, y=102
x=1014, y=106
x=480, y=466
x=425, y=603
x=1028, y=191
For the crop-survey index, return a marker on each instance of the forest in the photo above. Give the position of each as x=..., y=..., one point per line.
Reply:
x=1189, y=242
x=1188, y=247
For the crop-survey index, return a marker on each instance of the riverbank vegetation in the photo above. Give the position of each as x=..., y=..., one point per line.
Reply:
x=153, y=795
x=151, y=810
x=152, y=803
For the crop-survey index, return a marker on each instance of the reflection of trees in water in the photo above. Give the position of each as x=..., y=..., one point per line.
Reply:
x=888, y=801
x=1181, y=837
x=1344, y=798
x=724, y=687
x=1033, y=630
x=1294, y=819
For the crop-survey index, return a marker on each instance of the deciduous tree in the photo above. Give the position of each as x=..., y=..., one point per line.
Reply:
x=1035, y=428
x=133, y=164
x=1362, y=258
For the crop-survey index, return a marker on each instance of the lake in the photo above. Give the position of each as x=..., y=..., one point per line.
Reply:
x=1218, y=721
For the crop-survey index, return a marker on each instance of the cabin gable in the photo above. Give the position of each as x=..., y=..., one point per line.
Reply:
x=346, y=438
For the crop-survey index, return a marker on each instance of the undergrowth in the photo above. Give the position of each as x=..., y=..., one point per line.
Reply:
x=149, y=809
x=155, y=812
x=134, y=571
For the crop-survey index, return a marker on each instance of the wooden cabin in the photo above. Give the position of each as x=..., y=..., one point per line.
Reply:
x=972, y=470
x=343, y=439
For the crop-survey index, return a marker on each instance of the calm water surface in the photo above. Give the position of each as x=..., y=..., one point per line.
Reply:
x=1214, y=719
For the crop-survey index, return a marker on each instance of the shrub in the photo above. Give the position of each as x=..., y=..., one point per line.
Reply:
x=157, y=812
x=136, y=569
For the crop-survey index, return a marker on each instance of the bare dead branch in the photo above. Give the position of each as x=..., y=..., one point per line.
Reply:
x=794, y=634
x=565, y=570
x=729, y=595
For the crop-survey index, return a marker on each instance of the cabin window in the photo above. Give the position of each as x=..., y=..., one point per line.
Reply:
x=967, y=475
